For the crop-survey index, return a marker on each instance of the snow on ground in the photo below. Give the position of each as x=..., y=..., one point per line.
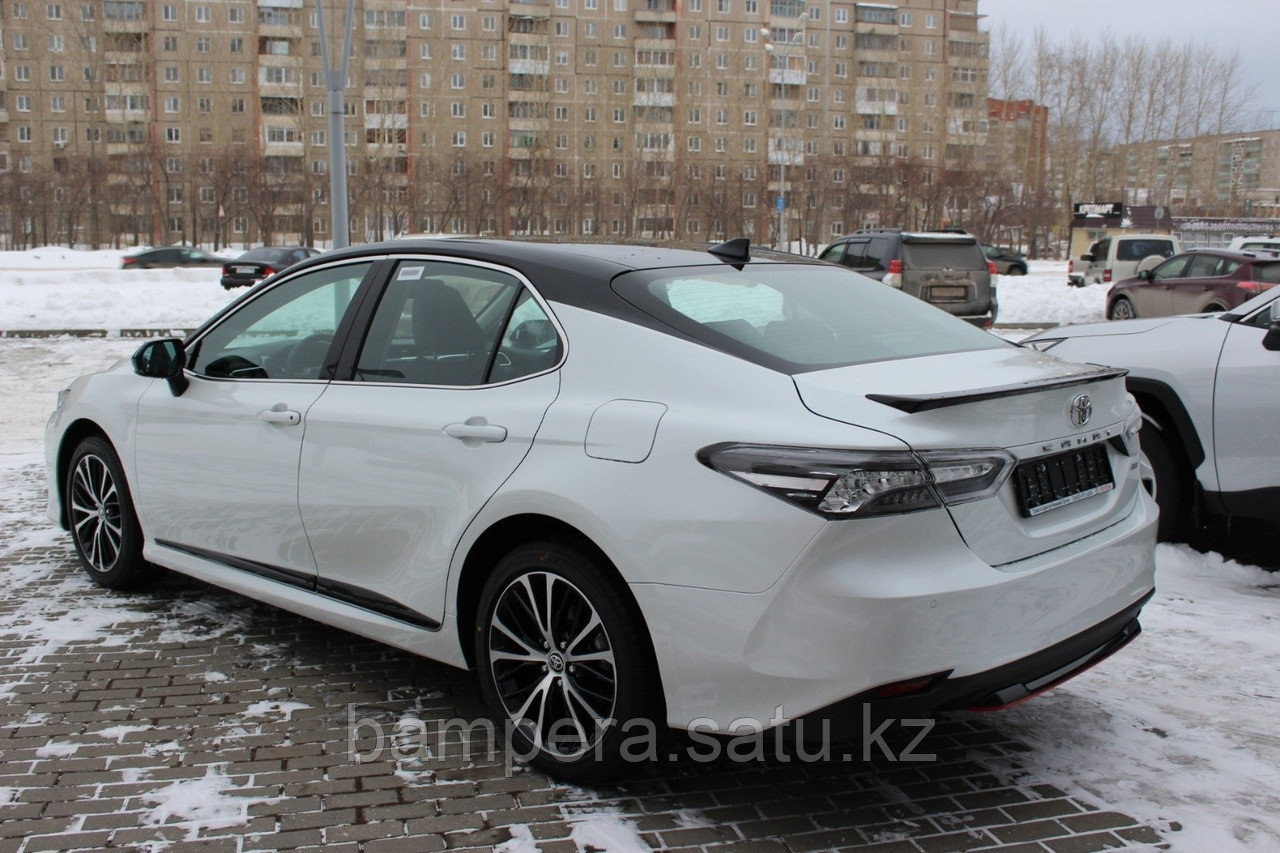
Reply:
x=1184, y=724
x=56, y=288
x=210, y=802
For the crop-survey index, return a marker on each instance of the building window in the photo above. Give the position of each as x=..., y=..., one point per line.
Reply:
x=173, y=134
x=169, y=13
x=57, y=73
x=171, y=74
x=459, y=139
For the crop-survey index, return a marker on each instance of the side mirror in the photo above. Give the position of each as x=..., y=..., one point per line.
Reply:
x=1087, y=257
x=1272, y=339
x=1145, y=275
x=165, y=358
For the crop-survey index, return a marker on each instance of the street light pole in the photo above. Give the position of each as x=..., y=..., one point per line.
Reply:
x=789, y=45
x=336, y=84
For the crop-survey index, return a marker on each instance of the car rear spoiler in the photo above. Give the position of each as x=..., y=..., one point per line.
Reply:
x=912, y=403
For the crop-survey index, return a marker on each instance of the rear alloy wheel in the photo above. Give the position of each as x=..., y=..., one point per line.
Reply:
x=564, y=661
x=1172, y=483
x=104, y=526
x=1121, y=309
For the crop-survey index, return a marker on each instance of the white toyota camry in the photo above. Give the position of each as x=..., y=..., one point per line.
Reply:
x=628, y=483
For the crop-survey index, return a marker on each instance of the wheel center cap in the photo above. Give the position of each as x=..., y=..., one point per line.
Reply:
x=555, y=661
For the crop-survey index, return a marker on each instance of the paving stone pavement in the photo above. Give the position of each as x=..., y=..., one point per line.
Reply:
x=120, y=714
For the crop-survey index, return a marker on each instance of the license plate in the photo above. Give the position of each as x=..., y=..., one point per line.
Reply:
x=948, y=292
x=1056, y=481
x=246, y=270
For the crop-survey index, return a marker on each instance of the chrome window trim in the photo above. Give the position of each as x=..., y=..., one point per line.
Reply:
x=516, y=274
x=188, y=346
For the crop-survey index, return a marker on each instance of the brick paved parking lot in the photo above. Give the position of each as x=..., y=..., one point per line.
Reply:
x=191, y=718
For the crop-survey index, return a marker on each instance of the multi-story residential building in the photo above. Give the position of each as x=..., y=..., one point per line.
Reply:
x=1225, y=175
x=204, y=120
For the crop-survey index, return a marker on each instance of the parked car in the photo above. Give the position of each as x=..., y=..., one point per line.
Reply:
x=944, y=268
x=1007, y=261
x=627, y=483
x=1115, y=258
x=1261, y=242
x=1197, y=282
x=171, y=256
x=1209, y=388
x=256, y=264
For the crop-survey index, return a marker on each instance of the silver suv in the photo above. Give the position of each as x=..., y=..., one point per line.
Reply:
x=946, y=269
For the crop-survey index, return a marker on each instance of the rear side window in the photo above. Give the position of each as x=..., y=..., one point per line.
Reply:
x=834, y=254
x=1136, y=250
x=940, y=255
x=796, y=318
x=1203, y=266
x=1266, y=273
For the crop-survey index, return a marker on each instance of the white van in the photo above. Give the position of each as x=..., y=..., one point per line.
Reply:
x=1116, y=258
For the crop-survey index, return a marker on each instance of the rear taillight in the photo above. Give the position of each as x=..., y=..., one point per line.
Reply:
x=991, y=267
x=226, y=269
x=850, y=483
x=895, y=266
x=1106, y=276
x=266, y=271
x=1254, y=287
x=1071, y=266
x=128, y=261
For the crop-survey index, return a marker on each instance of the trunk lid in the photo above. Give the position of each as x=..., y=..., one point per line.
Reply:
x=1013, y=399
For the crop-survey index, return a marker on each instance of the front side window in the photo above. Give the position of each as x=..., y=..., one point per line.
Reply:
x=448, y=324
x=1171, y=269
x=796, y=318
x=283, y=334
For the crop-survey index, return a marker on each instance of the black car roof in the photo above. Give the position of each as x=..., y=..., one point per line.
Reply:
x=572, y=273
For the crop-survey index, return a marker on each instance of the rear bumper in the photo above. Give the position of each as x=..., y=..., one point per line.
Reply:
x=229, y=281
x=995, y=689
x=880, y=601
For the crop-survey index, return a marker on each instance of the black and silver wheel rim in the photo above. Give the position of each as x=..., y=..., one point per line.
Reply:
x=552, y=664
x=95, y=513
x=1122, y=310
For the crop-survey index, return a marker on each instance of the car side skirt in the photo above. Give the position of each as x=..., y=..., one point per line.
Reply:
x=1254, y=503
x=347, y=593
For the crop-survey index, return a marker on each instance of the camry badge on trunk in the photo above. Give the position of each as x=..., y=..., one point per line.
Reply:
x=1081, y=409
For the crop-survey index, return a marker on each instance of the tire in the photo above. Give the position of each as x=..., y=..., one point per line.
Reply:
x=1017, y=270
x=548, y=695
x=1172, y=483
x=1121, y=309
x=100, y=513
x=1213, y=309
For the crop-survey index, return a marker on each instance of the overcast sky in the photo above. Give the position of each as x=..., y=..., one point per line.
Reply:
x=1252, y=26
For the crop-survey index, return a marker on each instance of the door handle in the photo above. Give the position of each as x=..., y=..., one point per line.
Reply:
x=476, y=430
x=278, y=414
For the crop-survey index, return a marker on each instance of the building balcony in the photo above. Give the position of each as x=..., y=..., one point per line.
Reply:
x=534, y=67
x=787, y=77
x=284, y=149
x=123, y=25
x=284, y=31
x=526, y=9
x=654, y=44
x=655, y=99
x=876, y=108
x=659, y=15
x=124, y=116
x=388, y=121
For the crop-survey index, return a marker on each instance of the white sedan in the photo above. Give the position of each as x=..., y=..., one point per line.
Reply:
x=1209, y=388
x=627, y=484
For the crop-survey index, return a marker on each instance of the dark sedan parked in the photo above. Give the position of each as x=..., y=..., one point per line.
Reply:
x=1007, y=261
x=171, y=256
x=257, y=264
x=1197, y=282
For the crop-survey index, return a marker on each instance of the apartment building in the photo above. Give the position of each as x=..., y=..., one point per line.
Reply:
x=204, y=120
x=1225, y=175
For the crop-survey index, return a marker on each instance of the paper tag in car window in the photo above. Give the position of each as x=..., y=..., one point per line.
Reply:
x=410, y=273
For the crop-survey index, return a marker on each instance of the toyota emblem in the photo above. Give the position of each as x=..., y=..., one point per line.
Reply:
x=1081, y=410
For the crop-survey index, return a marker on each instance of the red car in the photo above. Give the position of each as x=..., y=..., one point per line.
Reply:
x=1202, y=281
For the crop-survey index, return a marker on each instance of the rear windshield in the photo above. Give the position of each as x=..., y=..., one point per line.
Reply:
x=264, y=253
x=796, y=318
x=1136, y=250
x=1267, y=273
x=936, y=256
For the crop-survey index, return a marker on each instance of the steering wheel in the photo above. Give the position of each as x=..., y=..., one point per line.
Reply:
x=306, y=357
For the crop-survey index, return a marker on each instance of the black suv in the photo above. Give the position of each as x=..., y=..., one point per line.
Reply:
x=947, y=269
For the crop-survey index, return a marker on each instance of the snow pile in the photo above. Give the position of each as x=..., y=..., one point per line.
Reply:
x=1042, y=296
x=267, y=706
x=195, y=804
x=521, y=841
x=1180, y=726
x=607, y=832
